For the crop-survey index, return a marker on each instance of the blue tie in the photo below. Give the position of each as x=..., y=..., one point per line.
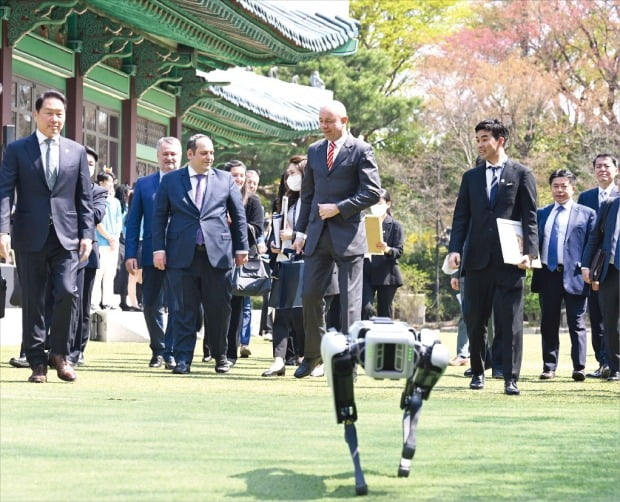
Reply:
x=552, y=250
x=494, y=184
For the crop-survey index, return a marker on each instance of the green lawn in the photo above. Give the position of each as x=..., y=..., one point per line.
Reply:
x=125, y=432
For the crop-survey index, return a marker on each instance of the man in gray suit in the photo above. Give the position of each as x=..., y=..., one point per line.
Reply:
x=53, y=229
x=341, y=180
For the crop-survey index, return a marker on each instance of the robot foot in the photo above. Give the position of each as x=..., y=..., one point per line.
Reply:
x=361, y=489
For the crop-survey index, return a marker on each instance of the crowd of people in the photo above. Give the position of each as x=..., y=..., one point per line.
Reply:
x=179, y=233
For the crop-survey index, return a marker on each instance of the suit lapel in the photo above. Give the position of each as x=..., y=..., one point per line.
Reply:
x=210, y=181
x=344, y=152
x=187, y=185
x=506, y=179
x=34, y=152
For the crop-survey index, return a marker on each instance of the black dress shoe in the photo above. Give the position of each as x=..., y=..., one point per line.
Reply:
x=477, y=382
x=156, y=362
x=206, y=359
x=275, y=373
x=468, y=373
x=614, y=377
x=579, y=375
x=510, y=388
x=181, y=368
x=222, y=365
x=19, y=362
x=306, y=367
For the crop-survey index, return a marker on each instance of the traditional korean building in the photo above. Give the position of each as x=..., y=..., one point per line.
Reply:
x=136, y=70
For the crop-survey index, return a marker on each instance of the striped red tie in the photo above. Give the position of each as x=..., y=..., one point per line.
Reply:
x=330, y=155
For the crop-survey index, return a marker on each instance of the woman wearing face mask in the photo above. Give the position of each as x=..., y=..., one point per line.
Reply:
x=287, y=322
x=381, y=272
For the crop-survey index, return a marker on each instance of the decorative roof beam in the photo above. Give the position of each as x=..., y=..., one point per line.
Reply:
x=25, y=15
x=97, y=39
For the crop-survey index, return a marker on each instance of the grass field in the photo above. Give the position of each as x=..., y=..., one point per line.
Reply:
x=126, y=432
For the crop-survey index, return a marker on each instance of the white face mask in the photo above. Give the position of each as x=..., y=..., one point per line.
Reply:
x=294, y=182
x=378, y=209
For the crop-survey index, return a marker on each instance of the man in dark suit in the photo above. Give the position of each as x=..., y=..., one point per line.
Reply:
x=609, y=281
x=341, y=180
x=195, y=244
x=87, y=269
x=498, y=187
x=140, y=221
x=605, y=170
x=564, y=228
x=53, y=230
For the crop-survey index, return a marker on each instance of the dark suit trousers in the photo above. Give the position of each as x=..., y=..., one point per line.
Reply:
x=85, y=282
x=189, y=288
x=234, y=327
x=318, y=271
x=153, y=299
x=609, y=297
x=492, y=288
x=36, y=269
x=550, y=297
x=596, y=328
x=385, y=297
x=288, y=323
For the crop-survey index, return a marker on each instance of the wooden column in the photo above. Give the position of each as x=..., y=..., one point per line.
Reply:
x=6, y=77
x=129, y=136
x=74, y=125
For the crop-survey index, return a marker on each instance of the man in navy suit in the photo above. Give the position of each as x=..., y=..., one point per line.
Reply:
x=564, y=228
x=194, y=242
x=605, y=170
x=53, y=230
x=341, y=180
x=140, y=224
x=497, y=187
x=606, y=236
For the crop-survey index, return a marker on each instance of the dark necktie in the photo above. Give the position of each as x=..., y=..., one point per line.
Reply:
x=494, y=183
x=330, y=155
x=552, y=250
x=50, y=173
x=200, y=192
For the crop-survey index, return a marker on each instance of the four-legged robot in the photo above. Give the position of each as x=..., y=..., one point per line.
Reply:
x=385, y=349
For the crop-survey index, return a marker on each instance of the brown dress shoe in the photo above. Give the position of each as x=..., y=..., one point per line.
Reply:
x=39, y=373
x=63, y=369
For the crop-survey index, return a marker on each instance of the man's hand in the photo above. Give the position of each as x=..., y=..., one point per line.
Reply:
x=131, y=265
x=240, y=259
x=113, y=241
x=454, y=260
x=454, y=283
x=328, y=211
x=5, y=247
x=86, y=246
x=525, y=262
x=298, y=245
x=587, y=278
x=262, y=247
x=159, y=260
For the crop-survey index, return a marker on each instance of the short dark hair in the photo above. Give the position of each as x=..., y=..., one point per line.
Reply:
x=101, y=177
x=496, y=128
x=563, y=173
x=605, y=155
x=385, y=195
x=228, y=166
x=38, y=104
x=90, y=151
x=191, y=142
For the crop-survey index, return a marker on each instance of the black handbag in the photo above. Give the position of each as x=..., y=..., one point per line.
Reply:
x=2, y=294
x=598, y=262
x=251, y=278
x=287, y=286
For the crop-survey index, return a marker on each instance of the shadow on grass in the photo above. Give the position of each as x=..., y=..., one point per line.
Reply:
x=286, y=484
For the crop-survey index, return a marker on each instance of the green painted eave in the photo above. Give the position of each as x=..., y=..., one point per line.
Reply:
x=234, y=32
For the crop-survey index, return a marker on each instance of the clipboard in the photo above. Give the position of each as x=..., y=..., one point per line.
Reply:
x=374, y=233
x=511, y=240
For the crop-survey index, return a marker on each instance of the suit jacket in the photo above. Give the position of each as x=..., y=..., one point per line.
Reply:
x=352, y=183
x=580, y=225
x=100, y=195
x=68, y=205
x=589, y=198
x=474, y=219
x=598, y=240
x=176, y=219
x=141, y=218
x=383, y=269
